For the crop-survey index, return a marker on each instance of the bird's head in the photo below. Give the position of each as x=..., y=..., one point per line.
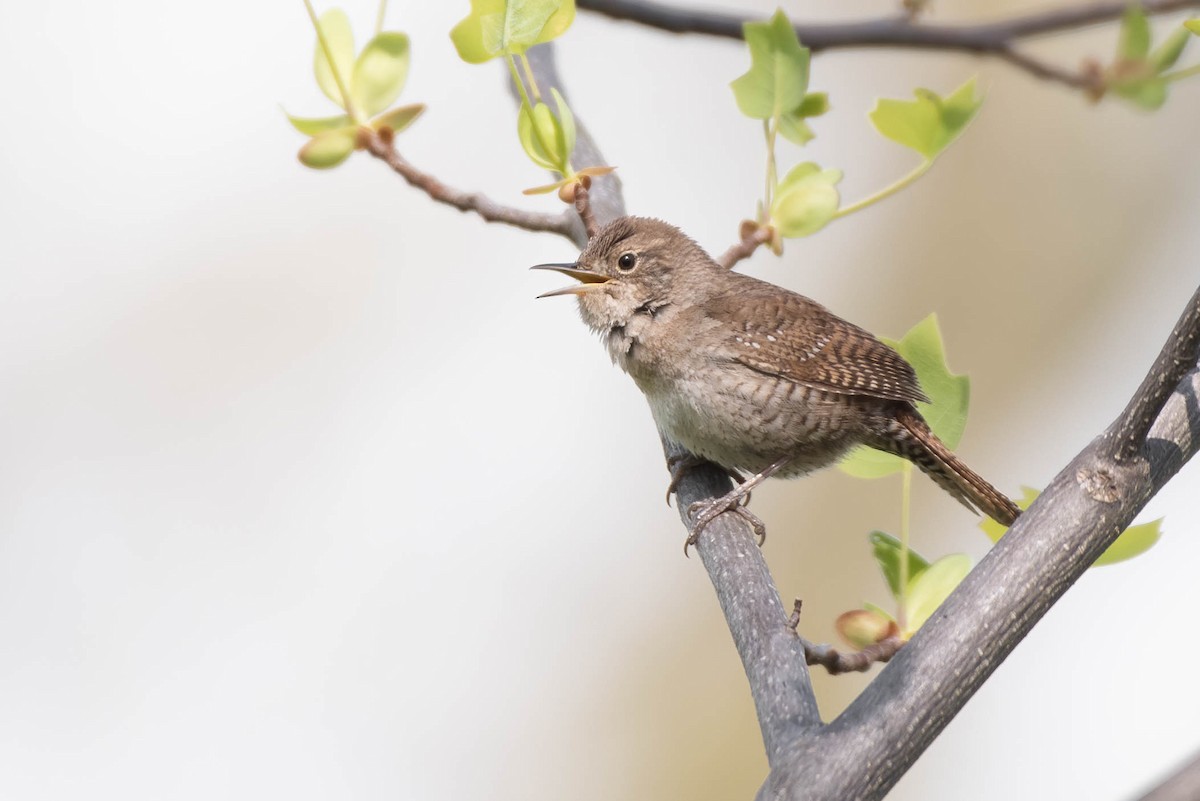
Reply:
x=636, y=265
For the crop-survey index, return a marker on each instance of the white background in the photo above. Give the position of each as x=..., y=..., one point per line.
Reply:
x=302, y=495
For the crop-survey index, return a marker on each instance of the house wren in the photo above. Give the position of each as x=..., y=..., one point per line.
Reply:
x=751, y=376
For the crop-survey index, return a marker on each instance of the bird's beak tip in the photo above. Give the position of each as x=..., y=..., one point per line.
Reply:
x=588, y=279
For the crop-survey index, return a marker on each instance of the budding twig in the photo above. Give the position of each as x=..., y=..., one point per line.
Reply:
x=583, y=208
x=751, y=239
x=381, y=147
x=836, y=662
x=998, y=38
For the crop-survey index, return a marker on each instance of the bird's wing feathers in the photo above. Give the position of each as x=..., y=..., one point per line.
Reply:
x=791, y=337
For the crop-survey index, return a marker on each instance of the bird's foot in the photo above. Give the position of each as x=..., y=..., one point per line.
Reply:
x=704, y=512
x=681, y=464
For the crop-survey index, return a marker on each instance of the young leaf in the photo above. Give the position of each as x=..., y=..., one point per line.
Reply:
x=509, y=27
x=805, y=200
x=311, y=126
x=398, y=118
x=778, y=77
x=1133, y=541
x=380, y=72
x=566, y=125
x=1148, y=93
x=887, y=553
x=815, y=104
x=1134, y=41
x=1167, y=53
x=792, y=125
x=950, y=394
x=1193, y=25
x=329, y=149
x=927, y=591
x=335, y=29
x=543, y=137
x=930, y=123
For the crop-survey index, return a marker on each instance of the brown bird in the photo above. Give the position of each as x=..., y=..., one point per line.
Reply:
x=749, y=375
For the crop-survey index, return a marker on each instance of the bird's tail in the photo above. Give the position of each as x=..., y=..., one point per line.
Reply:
x=911, y=438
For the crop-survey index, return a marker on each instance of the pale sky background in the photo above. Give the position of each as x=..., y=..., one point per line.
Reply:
x=303, y=495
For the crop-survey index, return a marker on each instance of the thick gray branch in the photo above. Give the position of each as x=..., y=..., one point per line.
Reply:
x=1183, y=785
x=772, y=653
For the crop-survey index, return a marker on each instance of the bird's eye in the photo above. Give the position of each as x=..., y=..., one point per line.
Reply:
x=626, y=262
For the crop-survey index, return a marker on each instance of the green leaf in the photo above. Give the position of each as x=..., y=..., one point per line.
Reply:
x=950, y=394
x=334, y=26
x=380, y=72
x=778, y=77
x=805, y=200
x=1149, y=94
x=1134, y=41
x=887, y=553
x=794, y=129
x=566, y=126
x=870, y=607
x=792, y=125
x=928, y=590
x=311, y=126
x=329, y=149
x=1167, y=53
x=923, y=347
x=864, y=462
x=1134, y=541
x=544, y=137
x=398, y=118
x=509, y=27
x=930, y=123
x=815, y=104
x=1193, y=25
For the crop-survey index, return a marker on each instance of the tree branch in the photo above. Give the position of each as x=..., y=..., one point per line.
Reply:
x=752, y=238
x=771, y=653
x=837, y=662
x=383, y=148
x=1183, y=785
x=868, y=748
x=998, y=38
x=1177, y=357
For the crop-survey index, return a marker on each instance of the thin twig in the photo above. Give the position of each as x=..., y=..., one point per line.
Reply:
x=583, y=208
x=1090, y=81
x=751, y=240
x=382, y=148
x=1177, y=357
x=837, y=662
x=997, y=38
x=1182, y=785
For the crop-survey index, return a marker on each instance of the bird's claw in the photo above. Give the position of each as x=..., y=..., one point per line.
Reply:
x=704, y=512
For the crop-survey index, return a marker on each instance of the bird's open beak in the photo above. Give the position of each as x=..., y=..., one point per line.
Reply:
x=588, y=280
